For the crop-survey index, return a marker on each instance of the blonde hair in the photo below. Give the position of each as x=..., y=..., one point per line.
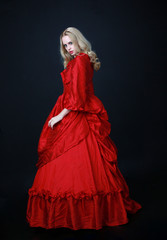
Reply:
x=81, y=44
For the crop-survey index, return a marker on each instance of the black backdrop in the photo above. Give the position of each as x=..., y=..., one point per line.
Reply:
x=128, y=37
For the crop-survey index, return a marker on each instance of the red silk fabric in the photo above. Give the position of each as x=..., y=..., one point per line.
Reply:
x=87, y=113
x=78, y=184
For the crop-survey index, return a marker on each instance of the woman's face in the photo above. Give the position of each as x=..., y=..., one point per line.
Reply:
x=69, y=45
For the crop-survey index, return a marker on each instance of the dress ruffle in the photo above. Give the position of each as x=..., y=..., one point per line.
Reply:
x=81, y=189
x=81, y=211
x=78, y=184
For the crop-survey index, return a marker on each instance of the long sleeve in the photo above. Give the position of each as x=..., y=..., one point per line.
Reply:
x=76, y=84
x=79, y=97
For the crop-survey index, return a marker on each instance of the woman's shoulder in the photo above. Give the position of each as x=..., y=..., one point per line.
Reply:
x=82, y=56
x=80, y=59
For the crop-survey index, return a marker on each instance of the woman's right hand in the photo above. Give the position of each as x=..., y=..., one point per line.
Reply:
x=54, y=120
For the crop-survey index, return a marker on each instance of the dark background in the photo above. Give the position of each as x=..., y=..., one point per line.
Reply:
x=129, y=39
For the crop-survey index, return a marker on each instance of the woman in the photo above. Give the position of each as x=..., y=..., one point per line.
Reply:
x=78, y=184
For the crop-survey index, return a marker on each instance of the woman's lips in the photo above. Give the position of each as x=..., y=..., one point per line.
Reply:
x=71, y=51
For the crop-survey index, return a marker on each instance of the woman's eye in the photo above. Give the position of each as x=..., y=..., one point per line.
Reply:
x=70, y=43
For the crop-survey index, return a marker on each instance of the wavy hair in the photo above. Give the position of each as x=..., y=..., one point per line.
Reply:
x=82, y=45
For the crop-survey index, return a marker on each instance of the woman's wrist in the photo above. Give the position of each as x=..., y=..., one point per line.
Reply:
x=63, y=113
x=61, y=116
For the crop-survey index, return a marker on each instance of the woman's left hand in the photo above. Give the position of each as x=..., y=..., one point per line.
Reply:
x=54, y=120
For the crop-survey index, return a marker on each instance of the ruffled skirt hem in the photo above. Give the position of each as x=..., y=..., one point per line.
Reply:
x=92, y=211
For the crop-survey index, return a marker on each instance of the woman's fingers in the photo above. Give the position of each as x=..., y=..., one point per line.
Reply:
x=51, y=122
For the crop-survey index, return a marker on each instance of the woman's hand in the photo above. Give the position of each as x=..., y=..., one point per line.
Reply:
x=54, y=120
x=59, y=117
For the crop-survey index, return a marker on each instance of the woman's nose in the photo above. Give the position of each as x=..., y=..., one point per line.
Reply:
x=68, y=47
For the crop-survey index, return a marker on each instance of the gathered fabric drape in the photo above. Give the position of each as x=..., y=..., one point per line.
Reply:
x=78, y=184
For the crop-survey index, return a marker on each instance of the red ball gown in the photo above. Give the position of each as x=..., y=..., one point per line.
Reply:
x=78, y=184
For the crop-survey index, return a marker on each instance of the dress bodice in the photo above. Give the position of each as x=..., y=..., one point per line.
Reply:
x=87, y=112
x=77, y=80
x=75, y=72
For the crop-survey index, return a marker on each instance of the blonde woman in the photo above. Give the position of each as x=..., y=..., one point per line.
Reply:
x=78, y=184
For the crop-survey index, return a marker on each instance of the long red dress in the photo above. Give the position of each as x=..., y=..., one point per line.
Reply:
x=78, y=184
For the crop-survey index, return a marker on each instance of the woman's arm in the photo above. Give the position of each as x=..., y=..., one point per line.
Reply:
x=58, y=117
x=64, y=112
x=78, y=78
